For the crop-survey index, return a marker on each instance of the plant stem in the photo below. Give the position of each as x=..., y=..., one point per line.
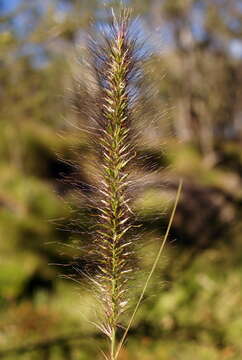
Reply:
x=178, y=194
x=112, y=344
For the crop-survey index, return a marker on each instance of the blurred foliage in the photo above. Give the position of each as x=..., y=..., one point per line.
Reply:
x=197, y=307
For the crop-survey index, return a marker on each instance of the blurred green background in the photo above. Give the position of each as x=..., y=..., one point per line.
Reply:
x=193, y=309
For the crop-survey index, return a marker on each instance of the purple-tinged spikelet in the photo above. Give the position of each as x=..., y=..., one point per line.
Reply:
x=108, y=108
x=114, y=66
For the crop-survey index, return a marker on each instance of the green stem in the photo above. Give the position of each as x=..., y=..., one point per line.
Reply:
x=113, y=342
x=178, y=194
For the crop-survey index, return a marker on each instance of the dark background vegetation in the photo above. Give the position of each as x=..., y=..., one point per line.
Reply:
x=193, y=309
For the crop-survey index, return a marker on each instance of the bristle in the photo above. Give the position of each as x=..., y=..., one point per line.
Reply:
x=115, y=152
x=114, y=62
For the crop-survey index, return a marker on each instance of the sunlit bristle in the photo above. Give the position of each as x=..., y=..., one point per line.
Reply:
x=114, y=63
x=113, y=71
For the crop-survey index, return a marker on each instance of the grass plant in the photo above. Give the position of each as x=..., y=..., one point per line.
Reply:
x=108, y=103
